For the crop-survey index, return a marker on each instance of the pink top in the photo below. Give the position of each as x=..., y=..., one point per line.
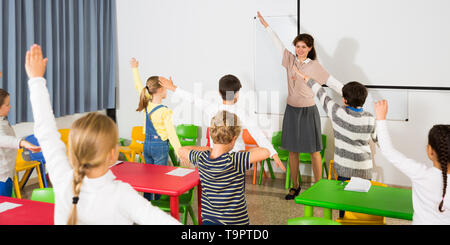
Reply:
x=299, y=94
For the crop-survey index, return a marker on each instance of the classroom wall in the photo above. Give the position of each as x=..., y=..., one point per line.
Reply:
x=198, y=41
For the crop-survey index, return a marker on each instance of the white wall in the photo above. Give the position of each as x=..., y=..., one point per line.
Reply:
x=198, y=41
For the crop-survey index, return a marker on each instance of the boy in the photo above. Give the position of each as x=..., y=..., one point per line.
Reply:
x=229, y=87
x=353, y=128
x=222, y=173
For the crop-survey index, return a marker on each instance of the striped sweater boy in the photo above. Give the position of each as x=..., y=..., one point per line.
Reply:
x=353, y=128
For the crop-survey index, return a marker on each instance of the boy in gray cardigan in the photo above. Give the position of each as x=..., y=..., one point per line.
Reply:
x=353, y=128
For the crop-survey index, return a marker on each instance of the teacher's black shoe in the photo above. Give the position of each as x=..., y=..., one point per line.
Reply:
x=295, y=193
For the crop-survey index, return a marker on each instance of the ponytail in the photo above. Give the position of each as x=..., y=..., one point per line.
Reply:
x=151, y=87
x=143, y=100
x=439, y=140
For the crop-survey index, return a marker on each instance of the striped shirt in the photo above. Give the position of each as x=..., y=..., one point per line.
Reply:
x=223, y=186
x=353, y=131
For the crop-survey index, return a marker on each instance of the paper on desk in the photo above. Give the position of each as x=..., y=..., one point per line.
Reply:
x=358, y=184
x=4, y=206
x=180, y=172
x=118, y=162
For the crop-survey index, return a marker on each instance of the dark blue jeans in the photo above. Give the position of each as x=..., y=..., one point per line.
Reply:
x=156, y=152
x=341, y=213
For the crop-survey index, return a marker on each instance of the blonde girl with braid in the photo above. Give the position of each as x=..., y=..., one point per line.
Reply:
x=159, y=128
x=86, y=191
x=429, y=183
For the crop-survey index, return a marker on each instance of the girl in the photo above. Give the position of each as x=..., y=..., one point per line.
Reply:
x=159, y=129
x=86, y=191
x=9, y=144
x=429, y=184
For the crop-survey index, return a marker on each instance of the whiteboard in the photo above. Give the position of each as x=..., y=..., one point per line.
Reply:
x=271, y=81
x=381, y=42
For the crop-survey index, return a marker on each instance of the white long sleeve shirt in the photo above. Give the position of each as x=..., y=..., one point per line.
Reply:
x=427, y=183
x=9, y=144
x=248, y=120
x=103, y=200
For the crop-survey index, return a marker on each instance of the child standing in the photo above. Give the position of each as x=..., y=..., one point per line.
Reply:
x=159, y=128
x=9, y=144
x=429, y=184
x=222, y=173
x=86, y=191
x=353, y=128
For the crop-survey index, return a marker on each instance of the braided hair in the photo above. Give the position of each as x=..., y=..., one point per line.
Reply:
x=439, y=140
x=91, y=139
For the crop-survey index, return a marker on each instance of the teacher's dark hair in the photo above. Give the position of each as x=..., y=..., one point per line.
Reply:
x=309, y=41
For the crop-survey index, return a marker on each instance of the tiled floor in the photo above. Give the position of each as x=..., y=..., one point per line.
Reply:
x=266, y=203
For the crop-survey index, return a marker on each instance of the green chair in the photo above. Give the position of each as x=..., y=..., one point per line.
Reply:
x=187, y=134
x=43, y=195
x=311, y=221
x=303, y=157
x=185, y=205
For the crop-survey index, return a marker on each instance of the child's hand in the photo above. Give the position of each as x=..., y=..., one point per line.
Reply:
x=134, y=63
x=1, y=74
x=34, y=62
x=305, y=77
x=27, y=145
x=167, y=83
x=279, y=162
x=261, y=19
x=381, y=109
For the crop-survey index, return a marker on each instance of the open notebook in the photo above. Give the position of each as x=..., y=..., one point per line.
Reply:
x=358, y=184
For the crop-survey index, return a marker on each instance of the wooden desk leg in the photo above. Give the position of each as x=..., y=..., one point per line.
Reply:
x=174, y=207
x=199, y=201
x=327, y=213
x=309, y=211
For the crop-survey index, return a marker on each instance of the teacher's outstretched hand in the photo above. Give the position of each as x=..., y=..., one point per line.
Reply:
x=263, y=22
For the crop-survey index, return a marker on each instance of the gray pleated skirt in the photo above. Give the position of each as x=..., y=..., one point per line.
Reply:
x=301, y=129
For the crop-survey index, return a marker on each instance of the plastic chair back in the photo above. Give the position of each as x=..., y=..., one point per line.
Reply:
x=276, y=142
x=65, y=136
x=187, y=134
x=33, y=156
x=248, y=140
x=311, y=221
x=137, y=133
x=43, y=195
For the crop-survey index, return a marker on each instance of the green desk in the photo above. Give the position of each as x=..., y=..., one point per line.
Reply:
x=381, y=201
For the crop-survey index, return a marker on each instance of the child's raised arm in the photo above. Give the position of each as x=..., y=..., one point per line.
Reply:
x=45, y=130
x=136, y=77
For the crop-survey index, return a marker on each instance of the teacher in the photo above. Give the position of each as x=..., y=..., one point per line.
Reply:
x=301, y=132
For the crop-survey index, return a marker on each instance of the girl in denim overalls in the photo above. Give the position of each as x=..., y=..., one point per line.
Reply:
x=159, y=129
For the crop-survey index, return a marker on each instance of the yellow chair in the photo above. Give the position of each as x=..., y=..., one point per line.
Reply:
x=352, y=218
x=135, y=147
x=65, y=136
x=22, y=165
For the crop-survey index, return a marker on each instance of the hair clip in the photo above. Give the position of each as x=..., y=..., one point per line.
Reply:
x=75, y=200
